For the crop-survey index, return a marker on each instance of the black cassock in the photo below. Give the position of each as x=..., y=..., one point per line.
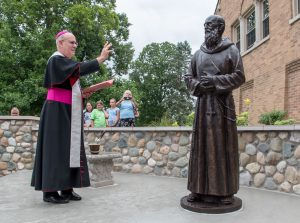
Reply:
x=52, y=170
x=214, y=160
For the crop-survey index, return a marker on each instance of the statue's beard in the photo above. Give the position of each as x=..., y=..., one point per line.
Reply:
x=212, y=39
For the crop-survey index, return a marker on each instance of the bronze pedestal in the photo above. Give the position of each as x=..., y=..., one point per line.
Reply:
x=211, y=208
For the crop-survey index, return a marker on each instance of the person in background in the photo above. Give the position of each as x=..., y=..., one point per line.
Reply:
x=99, y=115
x=113, y=113
x=14, y=111
x=60, y=161
x=87, y=114
x=128, y=110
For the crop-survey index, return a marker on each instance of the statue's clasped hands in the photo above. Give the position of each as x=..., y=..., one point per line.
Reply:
x=207, y=80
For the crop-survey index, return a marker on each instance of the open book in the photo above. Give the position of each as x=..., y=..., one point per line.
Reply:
x=96, y=87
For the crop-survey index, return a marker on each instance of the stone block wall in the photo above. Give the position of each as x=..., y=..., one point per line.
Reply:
x=270, y=160
x=149, y=151
x=17, y=143
x=269, y=155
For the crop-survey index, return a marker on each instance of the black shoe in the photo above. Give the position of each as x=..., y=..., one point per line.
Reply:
x=53, y=197
x=70, y=195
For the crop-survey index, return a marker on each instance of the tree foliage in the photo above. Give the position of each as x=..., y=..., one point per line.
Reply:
x=158, y=74
x=27, y=30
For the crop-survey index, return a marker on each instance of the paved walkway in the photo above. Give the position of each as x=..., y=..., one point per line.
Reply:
x=137, y=199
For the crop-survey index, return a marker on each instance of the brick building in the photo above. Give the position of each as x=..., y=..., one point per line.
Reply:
x=267, y=32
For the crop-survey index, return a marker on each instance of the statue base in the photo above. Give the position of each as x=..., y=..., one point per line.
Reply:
x=211, y=208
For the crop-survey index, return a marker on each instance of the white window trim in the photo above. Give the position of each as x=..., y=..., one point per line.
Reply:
x=296, y=14
x=262, y=20
x=234, y=32
x=258, y=20
x=258, y=8
x=259, y=11
x=255, y=45
x=243, y=28
x=296, y=18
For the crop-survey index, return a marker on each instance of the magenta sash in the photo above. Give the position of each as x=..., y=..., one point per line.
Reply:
x=60, y=95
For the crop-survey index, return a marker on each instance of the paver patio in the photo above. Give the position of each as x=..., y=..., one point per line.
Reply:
x=137, y=199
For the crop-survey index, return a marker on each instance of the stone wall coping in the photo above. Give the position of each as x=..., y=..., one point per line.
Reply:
x=189, y=129
x=8, y=117
x=135, y=129
x=142, y=129
x=295, y=127
x=103, y=156
x=261, y=128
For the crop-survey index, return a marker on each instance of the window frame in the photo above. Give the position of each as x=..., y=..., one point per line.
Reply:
x=250, y=31
x=236, y=34
x=295, y=11
x=265, y=20
x=260, y=27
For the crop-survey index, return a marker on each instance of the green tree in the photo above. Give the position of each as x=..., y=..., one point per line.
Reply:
x=27, y=30
x=158, y=74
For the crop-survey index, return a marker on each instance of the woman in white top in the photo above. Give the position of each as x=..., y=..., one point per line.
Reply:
x=87, y=114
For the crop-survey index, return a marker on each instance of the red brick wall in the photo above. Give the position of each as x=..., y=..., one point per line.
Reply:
x=266, y=64
x=293, y=90
x=246, y=92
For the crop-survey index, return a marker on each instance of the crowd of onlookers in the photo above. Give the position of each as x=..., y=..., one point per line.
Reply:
x=121, y=113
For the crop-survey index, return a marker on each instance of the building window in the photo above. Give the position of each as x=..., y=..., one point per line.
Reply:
x=296, y=7
x=237, y=36
x=250, y=36
x=296, y=11
x=266, y=18
x=253, y=28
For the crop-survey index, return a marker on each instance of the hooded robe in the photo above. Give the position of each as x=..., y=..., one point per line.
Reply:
x=214, y=160
x=52, y=171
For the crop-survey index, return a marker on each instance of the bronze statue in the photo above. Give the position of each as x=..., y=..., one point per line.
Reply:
x=215, y=70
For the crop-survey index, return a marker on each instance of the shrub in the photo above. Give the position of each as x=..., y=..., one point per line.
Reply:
x=164, y=121
x=190, y=119
x=269, y=118
x=242, y=119
x=285, y=122
x=175, y=124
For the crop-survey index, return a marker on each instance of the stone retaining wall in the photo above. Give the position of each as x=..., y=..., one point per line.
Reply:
x=269, y=155
x=159, y=151
x=17, y=143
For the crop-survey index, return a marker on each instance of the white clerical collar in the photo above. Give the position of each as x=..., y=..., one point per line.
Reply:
x=57, y=53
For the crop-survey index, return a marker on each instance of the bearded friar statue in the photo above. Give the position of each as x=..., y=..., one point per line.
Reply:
x=215, y=70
